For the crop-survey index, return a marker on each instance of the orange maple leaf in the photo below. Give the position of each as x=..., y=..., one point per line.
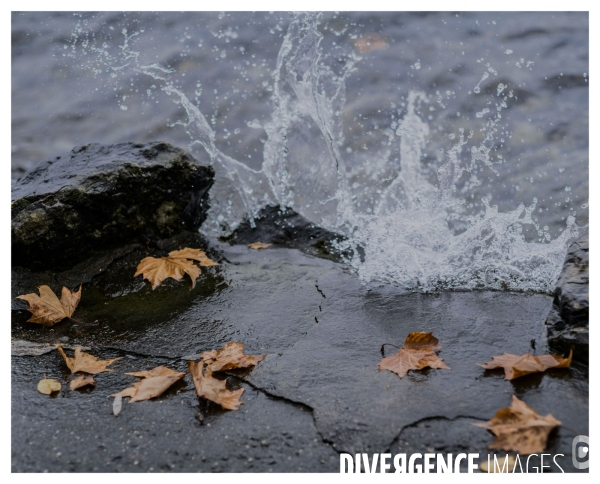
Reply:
x=81, y=381
x=416, y=354
x=230, y=357
x=46, y=308
x=154, y=383
x=519, y=428
x=175, y=265
x=516, y=366
x=195, y=254
x=85, y=362
x=213, y=389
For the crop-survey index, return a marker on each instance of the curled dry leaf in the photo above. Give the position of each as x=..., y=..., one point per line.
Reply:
x=259, y=245
x=213, y=389
x=519, y=428
x=47, y=309
x=416, y=354
x=85, y=362
x=153, y=384
x=503, y=464
x=81, y=381
x=48, y=385
x=176, y=265
x=516, y=366
x=230, y=357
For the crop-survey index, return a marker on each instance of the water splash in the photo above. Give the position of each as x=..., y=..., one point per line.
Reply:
x=408, y=231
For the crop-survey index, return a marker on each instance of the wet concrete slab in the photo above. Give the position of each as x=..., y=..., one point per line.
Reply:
x=317, y=393
x=267, y=299
x=75, y=431
x=360, y=409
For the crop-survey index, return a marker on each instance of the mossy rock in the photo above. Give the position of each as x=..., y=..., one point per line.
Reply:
x=99, y=197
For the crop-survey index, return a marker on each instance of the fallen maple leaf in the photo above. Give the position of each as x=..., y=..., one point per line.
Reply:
x=259, y=245
x=46, y=309
x=81, y=381
x=178, y=263
x=230, y=357
x=213, y=389
x=516, y=366
x=85, y=362
x=48, y=385
x=154, y=382
x=519, y=428
x=195, y=254
x=416, y=354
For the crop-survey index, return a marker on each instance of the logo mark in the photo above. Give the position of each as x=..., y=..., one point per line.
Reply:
x=581, y=453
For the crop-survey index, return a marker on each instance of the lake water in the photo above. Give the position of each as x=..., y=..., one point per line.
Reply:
x=452, y=148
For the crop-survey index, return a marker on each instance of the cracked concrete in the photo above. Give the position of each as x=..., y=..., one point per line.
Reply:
x=317, y=393
x=75, y=431
x=359, y=409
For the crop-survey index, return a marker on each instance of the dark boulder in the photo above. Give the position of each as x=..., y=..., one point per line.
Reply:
x=568, y=322
x=287, y=228
x=99, y=197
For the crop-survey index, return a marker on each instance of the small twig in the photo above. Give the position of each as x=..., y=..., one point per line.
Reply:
x=387, y=344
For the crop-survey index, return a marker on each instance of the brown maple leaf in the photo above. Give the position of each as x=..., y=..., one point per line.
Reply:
x=81, y=381
x=213, y=389
x=154, y=383
x=195, y=254
x=175, y=265
x=85, y=362
x=416, y=354
x=46, y=308
x=519, y=428
x=516, y=366
x=230, y=357
x=259, y=245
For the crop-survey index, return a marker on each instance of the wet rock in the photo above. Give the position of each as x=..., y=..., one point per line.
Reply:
x=286, y=228
x=236, y=300
x=357, y=408
x=568, y=322
x=75, y=431
x=318, y=391
x=108, y=277
x=99, y=197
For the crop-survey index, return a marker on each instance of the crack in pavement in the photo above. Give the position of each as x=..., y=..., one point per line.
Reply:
x=425, y=419
x=289, y=401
